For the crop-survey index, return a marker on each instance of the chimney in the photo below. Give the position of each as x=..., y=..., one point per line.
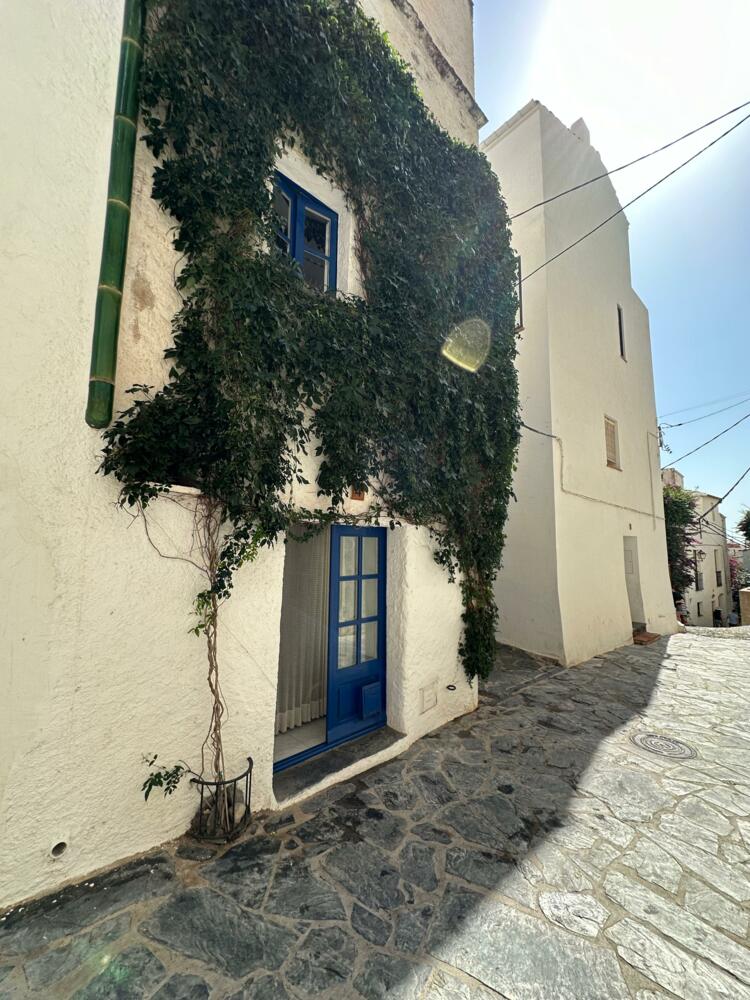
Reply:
x=581, y=130
x=671, y=477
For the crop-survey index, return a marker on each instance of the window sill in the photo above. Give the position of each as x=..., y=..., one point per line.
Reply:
x=611, y=465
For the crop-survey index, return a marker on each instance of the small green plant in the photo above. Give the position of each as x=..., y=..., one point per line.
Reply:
x=167, y=778
x=743, y=525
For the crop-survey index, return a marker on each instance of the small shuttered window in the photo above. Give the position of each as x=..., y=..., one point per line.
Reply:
x=610, y=438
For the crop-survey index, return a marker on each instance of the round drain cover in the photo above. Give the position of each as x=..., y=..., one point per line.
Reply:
x=665, y=746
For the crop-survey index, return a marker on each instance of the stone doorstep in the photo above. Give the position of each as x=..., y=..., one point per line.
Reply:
x=331, y=766
x=645, y=638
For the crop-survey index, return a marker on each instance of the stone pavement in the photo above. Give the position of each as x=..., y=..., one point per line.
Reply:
x=529, y=851
x=737, y=632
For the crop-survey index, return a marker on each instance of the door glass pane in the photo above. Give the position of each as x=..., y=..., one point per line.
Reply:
x=369, y=641
x=369, y=599
x=347, y=646
x=347, y=600
x=314, y=269
x=316, y=232
x=347, y=555
x=370, y=554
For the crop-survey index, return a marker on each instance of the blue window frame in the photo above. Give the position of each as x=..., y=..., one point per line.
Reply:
x=308, y=231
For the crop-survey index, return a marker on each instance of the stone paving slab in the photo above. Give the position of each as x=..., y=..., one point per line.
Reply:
x=526, y=852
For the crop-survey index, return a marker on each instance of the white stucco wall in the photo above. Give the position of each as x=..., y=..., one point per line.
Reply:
x=712, y=553
x=571, y=374
x=97, y=666
x=526, y=588
x=711, y=542
x=449, y=25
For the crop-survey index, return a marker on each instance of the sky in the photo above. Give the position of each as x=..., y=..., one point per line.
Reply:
x=640, y=73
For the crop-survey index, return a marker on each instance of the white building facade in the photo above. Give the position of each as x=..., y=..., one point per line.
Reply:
x=712, y=588
x=585, y=558
x=98, y=667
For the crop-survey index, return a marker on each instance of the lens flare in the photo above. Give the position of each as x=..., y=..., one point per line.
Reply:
x=468, y=344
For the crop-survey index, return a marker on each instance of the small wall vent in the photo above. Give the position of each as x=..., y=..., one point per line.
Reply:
x=427, y=697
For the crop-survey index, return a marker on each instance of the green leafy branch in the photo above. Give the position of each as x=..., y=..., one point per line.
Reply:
x=262, y=365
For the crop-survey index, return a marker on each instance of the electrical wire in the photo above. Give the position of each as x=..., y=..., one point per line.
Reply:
x=674, y=461
x=730, y=490
x=638, y=159
x=707, y=526
x=543, y=433
x=699, y=406
x=701, y=517
x=705, y=416
x=634, y=200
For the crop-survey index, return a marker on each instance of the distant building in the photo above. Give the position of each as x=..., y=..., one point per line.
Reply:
x=585, y=559
x=710, y=557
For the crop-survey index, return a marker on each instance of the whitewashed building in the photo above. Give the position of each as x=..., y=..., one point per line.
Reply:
x=585, y=558
x=710, y=557
x=98, y=667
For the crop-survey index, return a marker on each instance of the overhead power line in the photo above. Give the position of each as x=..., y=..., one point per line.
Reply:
x=699, y=406
x=707, y=526
x=705, y=416
x=634, y=200
x=720, y=434
x=631, y=163
x=730, y=490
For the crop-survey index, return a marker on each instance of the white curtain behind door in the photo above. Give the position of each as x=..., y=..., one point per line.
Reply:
x=303, y=650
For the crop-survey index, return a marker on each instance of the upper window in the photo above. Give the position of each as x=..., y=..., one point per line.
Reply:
x=621, y=332
x=307, y=231
x=612, y=444
x=697, y=572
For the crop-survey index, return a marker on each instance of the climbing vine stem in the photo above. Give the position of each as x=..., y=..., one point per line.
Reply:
x=262, y=365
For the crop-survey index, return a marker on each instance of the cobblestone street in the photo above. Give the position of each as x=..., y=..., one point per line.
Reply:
x=530, y=851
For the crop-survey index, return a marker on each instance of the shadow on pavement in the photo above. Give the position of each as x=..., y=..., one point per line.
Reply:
x=437, y=855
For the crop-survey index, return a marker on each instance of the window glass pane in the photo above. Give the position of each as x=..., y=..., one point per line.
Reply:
x=347, y=646
x=370, y=554
x=282, y=208
x=347, y=555
x=316, y=232
x=347, y=600
x=369, y=599
x=369, y=642
x=315, y=270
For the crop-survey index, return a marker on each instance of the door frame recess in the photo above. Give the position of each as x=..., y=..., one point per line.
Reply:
x=381, y=722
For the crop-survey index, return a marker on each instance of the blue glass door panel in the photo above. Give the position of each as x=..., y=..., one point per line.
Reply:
x=356, y=632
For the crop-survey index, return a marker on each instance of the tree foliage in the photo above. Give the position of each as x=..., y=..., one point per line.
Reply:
x=743, y=525
x=739, y=577
x=681, y=522
x=262, y=363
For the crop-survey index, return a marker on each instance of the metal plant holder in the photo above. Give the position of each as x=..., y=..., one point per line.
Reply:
x=225, y=807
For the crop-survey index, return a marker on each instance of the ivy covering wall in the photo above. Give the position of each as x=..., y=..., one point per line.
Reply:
x=261, y=362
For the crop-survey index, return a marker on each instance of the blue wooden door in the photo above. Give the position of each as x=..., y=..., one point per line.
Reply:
x=356, y=632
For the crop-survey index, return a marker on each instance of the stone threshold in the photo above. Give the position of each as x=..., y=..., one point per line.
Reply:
x=336, y=765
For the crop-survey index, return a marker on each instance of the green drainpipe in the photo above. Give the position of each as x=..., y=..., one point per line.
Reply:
x=114, y=250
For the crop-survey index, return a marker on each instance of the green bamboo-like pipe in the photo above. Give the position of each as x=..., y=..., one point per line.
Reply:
x=117, y=223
